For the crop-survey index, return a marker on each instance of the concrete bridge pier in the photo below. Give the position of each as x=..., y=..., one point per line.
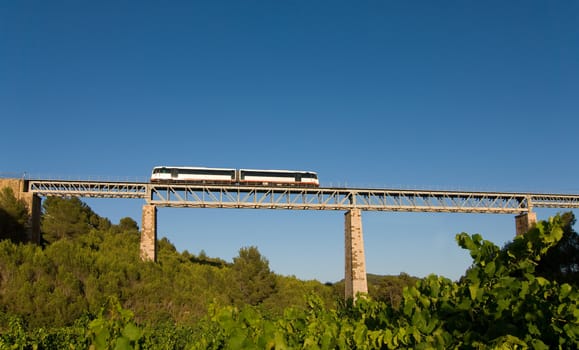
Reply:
x=149, y=233
x=355, y=261
x=35, y=209
x=525, y=221
x=33, y=204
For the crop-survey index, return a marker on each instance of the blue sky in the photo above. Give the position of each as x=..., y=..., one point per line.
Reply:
x=470, y=95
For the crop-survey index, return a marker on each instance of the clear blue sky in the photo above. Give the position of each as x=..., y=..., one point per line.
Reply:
x=472, y=95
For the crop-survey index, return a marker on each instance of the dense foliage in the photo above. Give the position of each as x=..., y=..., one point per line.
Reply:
x=86, y=261
x=87, y=288
x=13, y=216
x=561, y=262
x=67, y=218
x=500, y=303
x=70, y=278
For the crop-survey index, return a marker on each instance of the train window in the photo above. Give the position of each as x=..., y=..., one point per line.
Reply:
x=309, y=175
x=266, y=173
x=162, y=170
x=195, y=171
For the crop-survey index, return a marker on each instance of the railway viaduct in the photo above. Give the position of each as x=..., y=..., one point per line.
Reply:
x=353, y=201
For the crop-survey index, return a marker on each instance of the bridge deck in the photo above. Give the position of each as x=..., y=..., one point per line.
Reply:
x=196, y=196
x=65, y=188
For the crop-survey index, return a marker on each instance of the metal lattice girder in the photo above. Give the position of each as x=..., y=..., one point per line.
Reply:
x=249, y=197
x=555, y=201
x=88, y=189
x=440, y=201
x=336, y=199
x=198, y=196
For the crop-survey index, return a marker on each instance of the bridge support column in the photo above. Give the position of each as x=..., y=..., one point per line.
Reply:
x=525, y=221
x=34, y=224
x=20, y=190
x=149, y=233
x=355, y=261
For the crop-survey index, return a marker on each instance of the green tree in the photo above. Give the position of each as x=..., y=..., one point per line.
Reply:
x=127, y=224
x=561, y=262
x=13, y=216
x=64, y=218
x=69, y=217
x=253, y=281
x=389, y=288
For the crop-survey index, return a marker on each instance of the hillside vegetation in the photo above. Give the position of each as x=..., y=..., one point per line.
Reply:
x=86, y=260
x=86, y=287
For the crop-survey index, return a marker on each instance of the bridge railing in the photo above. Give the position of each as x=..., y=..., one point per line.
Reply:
x=88, y=188
x=336, y=199
x=173, y=195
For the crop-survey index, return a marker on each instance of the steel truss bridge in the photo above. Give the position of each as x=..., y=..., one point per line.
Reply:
x=298, y=198
x=351, y=200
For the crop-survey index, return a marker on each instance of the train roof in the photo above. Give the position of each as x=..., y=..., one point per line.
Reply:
x=279, y=171
x=189, y=167
x=256, y=170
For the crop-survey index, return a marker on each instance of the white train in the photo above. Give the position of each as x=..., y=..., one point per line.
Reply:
x=224, y=176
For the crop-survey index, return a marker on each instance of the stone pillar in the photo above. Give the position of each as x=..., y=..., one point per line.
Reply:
x=525, y=221
x=149, y=233
x=34, y=224
x=20, y=189
x=33, y=204
x=355, y=260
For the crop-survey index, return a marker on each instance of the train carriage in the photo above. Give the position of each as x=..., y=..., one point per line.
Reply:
x=225, y=176
x=218, y=176
x=254, y=177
